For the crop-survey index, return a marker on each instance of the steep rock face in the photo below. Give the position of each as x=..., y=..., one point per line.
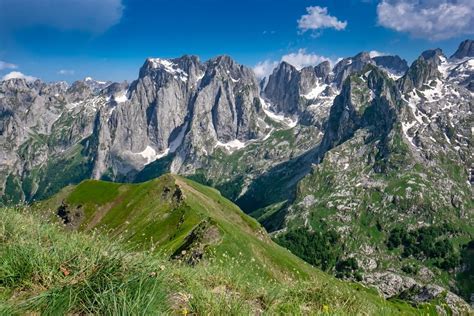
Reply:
x=282, y=88
x=465, y=49
x=323, y=71
x=230, y=93
x=145, y=119
x=225, y=112
x=347, y=66
x=365, y=101
x=175, y=105
x=425, y=68
x=306, y=94
x=393, y=64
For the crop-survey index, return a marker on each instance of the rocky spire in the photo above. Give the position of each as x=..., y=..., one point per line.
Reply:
x=465, y=49
x=424, y=69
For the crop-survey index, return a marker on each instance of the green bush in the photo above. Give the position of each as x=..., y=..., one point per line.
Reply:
x=426, y=243
x=347, y=268
x=321, y=249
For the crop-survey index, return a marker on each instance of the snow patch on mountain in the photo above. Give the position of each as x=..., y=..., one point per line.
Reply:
x=150, y=155
x=170, y=67
x=121, y=98
x=290, y=123
x=232, y=145
x=406, y=127
x=315, y=92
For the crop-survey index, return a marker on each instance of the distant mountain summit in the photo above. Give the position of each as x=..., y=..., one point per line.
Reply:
x=466, y=49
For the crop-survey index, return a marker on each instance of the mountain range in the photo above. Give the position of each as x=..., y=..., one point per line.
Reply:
x=371, y=154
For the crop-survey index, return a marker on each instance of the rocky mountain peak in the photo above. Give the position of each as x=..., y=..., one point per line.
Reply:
x=95, y=85
x=282, y=89
x=393, y=64
x=348, y=66
x=465, y=49
x=285, y=68
x=223, y=61
x=323, y=70
x=79, y=90
x=363, y=57
x=366, y=100
x=15, y=83
x=433, y=55
x=163, y=70
x=424, y=69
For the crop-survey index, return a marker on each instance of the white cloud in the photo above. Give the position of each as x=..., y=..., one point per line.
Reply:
x=299, y=59
x=302, y=59
x=375, y=53
x=319, y=18
x=264, y=68
x=18, y=75
x=431, y=19
x=66, y=72
x=5, y=65
x=94, y=16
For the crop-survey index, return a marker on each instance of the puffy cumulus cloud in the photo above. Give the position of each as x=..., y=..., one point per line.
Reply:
x=264, y=68
x=94, y=16
x=302, y=59
x=66, y=72
x=5, y=65
x=431, y=19
x=299, y=59
x=18, y=75
x=318, y=18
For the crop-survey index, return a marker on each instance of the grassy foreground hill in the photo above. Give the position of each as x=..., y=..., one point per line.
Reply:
x=164, y=246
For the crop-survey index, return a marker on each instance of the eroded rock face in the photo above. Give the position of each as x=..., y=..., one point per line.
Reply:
x=392, y=285
x=179, y=107
x=424, y=69
x=71, y=217
x=283, y=90
x=194, y=247
x=389, y=284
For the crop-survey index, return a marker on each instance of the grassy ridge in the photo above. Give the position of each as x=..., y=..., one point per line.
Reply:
x=51, y=269
x=48, y=270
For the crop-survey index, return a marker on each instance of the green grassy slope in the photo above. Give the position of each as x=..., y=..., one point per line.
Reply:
x=79, y=269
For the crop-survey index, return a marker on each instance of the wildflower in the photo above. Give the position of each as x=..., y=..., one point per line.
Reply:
x=325, y=308
x=64, y=271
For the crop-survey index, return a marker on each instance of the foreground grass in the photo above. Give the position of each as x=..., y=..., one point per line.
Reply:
x=46, y=270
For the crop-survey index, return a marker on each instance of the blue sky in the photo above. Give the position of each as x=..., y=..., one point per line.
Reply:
x=110, y=39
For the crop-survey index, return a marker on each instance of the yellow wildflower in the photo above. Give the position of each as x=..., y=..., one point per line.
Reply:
x=326, y=308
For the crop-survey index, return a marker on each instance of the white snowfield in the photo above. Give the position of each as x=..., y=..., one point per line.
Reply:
x=315, y=92
x=280, y=118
